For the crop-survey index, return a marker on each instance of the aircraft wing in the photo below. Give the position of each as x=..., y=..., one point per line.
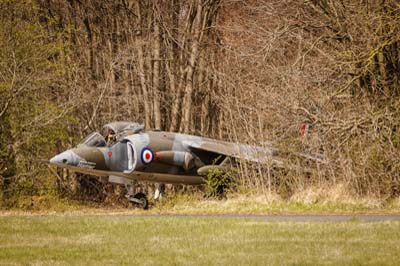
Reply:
x=240, y=151
x=137, y=175
x=88, y=171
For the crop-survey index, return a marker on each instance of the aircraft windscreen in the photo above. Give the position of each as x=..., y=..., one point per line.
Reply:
x=94, y=140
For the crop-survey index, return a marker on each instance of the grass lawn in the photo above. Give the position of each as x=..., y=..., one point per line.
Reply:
x=119, y=240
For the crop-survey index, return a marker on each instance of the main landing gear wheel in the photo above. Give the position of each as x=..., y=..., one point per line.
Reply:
x=139, y=200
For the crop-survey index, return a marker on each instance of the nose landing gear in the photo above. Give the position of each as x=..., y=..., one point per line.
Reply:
x=138, y=200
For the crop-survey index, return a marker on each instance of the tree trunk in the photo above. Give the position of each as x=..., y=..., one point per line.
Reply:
x=7, y=156
x=194, y=53
x=171, y=67
x=156, y=73
x=141, y=66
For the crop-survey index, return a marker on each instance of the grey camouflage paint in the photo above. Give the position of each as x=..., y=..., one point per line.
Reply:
x=156, y=156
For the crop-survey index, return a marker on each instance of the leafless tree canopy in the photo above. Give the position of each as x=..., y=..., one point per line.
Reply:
x=247, y=71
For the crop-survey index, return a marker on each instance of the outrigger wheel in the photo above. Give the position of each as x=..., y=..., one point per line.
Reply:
x=139, y=200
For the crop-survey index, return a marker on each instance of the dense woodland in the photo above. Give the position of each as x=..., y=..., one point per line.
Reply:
x=253, y=71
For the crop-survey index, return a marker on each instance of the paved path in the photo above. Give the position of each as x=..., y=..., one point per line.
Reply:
x=271, y=217
x=264, y=217
x=319, y=217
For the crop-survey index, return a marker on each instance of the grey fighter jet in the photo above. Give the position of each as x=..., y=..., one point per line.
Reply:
x=125, y=153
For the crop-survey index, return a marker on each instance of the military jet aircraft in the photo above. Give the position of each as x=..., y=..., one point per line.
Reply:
x=126, y=154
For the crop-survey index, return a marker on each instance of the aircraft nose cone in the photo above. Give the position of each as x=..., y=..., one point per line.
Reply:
x=67, y=157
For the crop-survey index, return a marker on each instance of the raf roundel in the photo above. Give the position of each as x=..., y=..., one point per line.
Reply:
x=147, y=156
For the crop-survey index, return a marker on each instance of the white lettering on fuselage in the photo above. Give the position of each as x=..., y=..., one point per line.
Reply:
x=87, y=165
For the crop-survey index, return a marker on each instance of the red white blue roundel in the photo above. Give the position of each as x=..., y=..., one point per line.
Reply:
x=147, y=155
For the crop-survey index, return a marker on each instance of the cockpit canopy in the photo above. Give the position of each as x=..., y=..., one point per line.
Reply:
x=122, y=129
x=94, y=139
x=119, y=129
